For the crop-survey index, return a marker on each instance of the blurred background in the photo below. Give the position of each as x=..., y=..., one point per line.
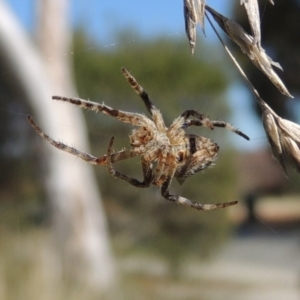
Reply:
x=68, y=230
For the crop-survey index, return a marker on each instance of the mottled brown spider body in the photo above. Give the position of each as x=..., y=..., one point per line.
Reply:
x=165, y=152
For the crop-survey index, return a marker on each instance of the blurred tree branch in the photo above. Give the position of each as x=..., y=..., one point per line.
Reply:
x=79, y=221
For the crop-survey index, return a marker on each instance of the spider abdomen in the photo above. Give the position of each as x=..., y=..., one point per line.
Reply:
x=199, y=153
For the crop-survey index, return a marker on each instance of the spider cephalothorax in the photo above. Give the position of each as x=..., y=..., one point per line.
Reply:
x=165, y=152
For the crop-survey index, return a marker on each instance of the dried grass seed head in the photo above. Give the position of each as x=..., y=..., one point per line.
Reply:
x=284, y=138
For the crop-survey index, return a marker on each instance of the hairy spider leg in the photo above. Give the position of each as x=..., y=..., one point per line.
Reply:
x=154, y=112
x=160, y=168
x=126, y=117
x=165, y=168
x=220, y=124
x=184, y=201
x=111, y=170
x=139, y=90
x=204, y=120
x=115, y=157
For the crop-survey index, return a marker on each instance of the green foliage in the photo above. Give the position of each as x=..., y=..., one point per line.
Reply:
x=140, y=218
x=165, y=69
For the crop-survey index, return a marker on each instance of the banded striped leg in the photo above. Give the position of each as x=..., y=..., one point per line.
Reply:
x=126, y=117
x=110, y=169
x=221, y=124
x=139, y=90
x=115, y=157
x=202, y=119
x=154, y=112
x=187, y=202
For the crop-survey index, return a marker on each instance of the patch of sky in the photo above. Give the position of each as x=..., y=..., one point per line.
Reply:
x=243, y=117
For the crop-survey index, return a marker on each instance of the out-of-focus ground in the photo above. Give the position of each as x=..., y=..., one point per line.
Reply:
x=247, y=268
x=261, y=262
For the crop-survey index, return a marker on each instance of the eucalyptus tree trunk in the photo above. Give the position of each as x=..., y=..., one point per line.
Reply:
x=78, y=219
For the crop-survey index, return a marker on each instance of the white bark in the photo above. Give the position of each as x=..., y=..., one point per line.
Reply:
x=78, y=217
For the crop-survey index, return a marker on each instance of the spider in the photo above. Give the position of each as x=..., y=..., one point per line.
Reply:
x=165, y=152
